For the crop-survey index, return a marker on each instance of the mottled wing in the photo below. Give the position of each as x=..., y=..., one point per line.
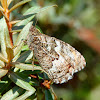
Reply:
x=57, y=58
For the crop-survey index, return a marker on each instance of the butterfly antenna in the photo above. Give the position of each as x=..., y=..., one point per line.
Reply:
x=37, y=17
x=36, y=21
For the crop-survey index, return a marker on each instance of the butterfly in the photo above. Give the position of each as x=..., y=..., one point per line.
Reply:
x=58, y=59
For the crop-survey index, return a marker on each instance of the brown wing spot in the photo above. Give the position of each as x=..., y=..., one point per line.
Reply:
x=53, y=59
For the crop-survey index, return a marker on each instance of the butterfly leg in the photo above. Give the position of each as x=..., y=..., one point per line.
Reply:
x=33, y=59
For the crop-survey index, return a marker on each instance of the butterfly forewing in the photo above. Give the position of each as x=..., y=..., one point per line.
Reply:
x=57, y=58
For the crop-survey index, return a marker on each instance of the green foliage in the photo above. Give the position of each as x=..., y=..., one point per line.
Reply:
x=48, y=95
x=16, y=83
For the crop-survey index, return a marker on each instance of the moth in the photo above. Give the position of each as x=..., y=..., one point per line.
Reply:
x=59, y=59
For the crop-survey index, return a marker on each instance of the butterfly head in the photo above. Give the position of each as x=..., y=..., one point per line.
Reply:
x=33, y=30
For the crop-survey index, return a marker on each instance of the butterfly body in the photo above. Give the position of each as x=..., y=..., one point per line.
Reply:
x=57, y=58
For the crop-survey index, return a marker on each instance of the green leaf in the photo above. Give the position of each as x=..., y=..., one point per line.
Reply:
x=31, y=13
x=3, y=42
x=16, y=57
x=23, y=84
x=3, y=72
x=29, y=57
x=26, y=18
x=25, y=66
x=24, y=21
x=38, y=68
x=10, y=53
x=8, y=2
x=2, y=58
x=3, y=3
x=39, y=10
x=5, y=84
x=2, y=64
x=48, y=95
x=18, y=5
x=24, y=75
x=22, y=36
x=3, y=25
x=14, y=22
x=12, y=94
x=25, y=47
x=40, y=94
x=32, y=9
x=23, y=56
x=4, y=37
x=29, y=72
x=1, y=8
x=19, y=81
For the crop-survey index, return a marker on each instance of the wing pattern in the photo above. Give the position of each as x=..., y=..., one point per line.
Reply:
x=59, y=59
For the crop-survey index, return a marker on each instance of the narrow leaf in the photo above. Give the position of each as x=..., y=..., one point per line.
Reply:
x=8, y=42
x=26, y=18
x=25, y=21
x=23, y=56
x=14, y=22
x=10, y=53
x=29, y=57
x=39, y=10
x=4, y=85
x=8, y=2
x=40, y=94
x=22, y=36
x=32, y=9
x=2, y=64
x=18, y=5
x=54, y=95
x=1, y=82
x=16, y=57
x=3, y=72
x=4, y=37
x=1, y=8
x=25, y=47
x=20, y=82
x=32, y=13
x=2, y=13
x=25, y=95
x=48, y=95
x=37, y=68
x=4, y=4
x=15, y=31
x=12, y=94
x=2, y=58
x=25, y=66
